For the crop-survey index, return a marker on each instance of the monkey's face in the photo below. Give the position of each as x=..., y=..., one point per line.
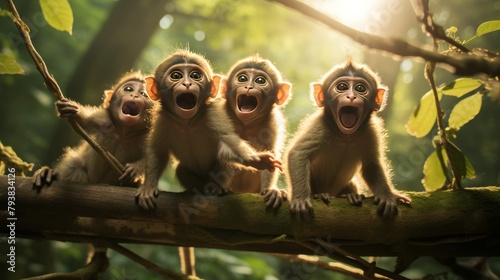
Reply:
x=131, y=103
x=185, y=87
x=252, y=93
x=350, y=100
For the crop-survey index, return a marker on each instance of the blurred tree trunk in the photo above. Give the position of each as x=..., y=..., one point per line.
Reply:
x=114, y=50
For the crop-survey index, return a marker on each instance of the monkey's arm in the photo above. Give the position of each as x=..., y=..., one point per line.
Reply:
x=157, y=156
x=312, y=134
x=377, y=179
x=233, y=149
x=90, y=118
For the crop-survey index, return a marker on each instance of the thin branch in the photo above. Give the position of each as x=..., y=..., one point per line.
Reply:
x=142, y=261
x=329, y=266
x=368, y=271
x=99, y=263
x=464, y=64
x=54, y=88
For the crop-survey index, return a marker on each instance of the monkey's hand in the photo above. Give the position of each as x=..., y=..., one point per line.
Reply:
x=146, y=197
x=43, y=176
x=274, y=196
x=388, y=204
x=132, y=174
x=67, y=108
x=323, y=196
x=302, y=207
x=214, y=189
x=264, y=161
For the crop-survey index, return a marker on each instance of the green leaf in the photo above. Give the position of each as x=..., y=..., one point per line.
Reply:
x=487, y=27
x=422, y=119
x=462, y=86
x=434, y=177
x=462, y=165
x=9, y=66
x=465, y=110
x=58, y=14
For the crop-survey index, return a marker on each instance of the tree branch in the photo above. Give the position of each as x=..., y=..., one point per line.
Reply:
x=443, y=223
x=461, y=64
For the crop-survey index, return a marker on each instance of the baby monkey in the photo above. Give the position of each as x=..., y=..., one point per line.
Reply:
x=254, y=90
x=342, y=140
x=120, y=125
x=193, y=128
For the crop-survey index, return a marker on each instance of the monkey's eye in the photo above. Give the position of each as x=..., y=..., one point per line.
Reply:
x=360, y=88
x=128, y=88
x=145, y=94
x=242, y=78
x=176, y=75
x=260, y=80
x=195, y=75
x=342, y=86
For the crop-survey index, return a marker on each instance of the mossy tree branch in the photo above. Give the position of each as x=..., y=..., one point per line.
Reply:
x=444, y=223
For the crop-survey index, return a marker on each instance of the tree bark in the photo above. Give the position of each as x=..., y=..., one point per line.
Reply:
x=443, y=223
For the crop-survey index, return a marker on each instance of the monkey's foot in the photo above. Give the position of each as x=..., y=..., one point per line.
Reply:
x=388, y=204
x=274, y=196
x=210, y=189
x=43, y=176
x=302, y=207
x=354, y=198
x=146, y=197
x=323, y=196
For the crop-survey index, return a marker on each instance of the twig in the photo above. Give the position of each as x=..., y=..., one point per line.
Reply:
x=54, y=88
x=142, y=261
x=370, y=271
x=99, y=263
x=329, y=266
x=464, y=64
x=429, y=74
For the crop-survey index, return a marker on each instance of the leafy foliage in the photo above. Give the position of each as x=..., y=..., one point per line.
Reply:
x=58, y=14
x=421, y=122
x=9, y=66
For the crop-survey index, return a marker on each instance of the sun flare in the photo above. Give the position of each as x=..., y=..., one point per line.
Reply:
x=353, y=13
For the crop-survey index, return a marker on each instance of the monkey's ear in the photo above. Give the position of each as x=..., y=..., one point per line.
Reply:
x=380, y=99
x=108, y=94
x=223, y=87
x=151, y=88
x=318, y=94
x=216, y=85
x=283, y=93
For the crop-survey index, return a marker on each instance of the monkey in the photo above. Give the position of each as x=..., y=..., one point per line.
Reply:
x=343, y=139
x=120, y=125
x=194, y=128
x=253, y=91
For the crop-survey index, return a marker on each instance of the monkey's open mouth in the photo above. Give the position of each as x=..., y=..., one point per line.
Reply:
x=186, y=101
x=348, y=116
x=247, y=103
x=131, y=108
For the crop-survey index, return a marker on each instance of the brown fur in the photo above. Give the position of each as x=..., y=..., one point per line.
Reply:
x=324, y=157
x=265, y=127
x=200, y=137
x=124, y=141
